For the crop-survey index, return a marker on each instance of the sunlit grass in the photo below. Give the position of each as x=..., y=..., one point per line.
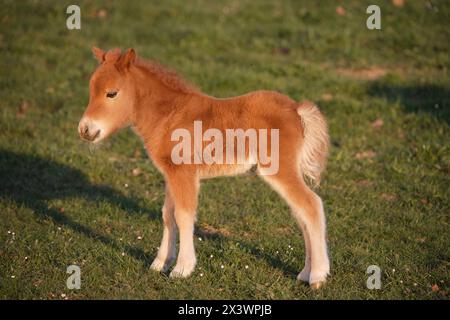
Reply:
x=386, y=189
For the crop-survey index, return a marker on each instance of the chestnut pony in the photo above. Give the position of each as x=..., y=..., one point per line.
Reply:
x=126, y=90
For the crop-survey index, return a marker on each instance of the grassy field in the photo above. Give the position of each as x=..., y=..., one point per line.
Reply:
x=386, y=94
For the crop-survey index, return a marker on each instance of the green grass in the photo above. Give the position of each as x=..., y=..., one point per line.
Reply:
x=69, y=204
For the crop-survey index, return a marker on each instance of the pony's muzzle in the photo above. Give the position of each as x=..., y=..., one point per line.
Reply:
x=88, y=130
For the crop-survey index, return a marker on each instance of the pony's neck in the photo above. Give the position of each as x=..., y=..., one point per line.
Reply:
x=154, y=102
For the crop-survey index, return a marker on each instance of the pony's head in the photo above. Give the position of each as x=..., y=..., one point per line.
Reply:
x=112, y=94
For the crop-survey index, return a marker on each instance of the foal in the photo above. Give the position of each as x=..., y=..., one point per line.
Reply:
x=125, y=91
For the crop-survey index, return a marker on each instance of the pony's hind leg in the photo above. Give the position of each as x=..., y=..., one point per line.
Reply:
x=167, y=250
x=308, y=212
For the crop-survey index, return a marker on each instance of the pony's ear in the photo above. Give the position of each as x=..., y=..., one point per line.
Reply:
x=99, y=54
x=127, y=59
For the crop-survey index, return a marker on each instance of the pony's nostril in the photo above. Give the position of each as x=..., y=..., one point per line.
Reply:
x=84, y=131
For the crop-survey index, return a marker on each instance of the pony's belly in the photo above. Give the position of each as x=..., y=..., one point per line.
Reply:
x=217, y=170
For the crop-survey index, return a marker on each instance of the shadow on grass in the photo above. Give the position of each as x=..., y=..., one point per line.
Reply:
x=272, y=260
x=431, y=99
x=30, y=181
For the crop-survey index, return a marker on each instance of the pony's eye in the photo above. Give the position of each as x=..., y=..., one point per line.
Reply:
x=111, y=94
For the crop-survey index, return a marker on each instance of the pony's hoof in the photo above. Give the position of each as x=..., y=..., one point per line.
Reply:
x=161, y=265
x=318, y=277
x=158, y=265
x=181, y=271
x=317, y=285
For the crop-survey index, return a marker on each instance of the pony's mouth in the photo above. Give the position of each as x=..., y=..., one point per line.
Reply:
x=88, y=137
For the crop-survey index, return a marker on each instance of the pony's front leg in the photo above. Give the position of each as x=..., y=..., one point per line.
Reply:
x=167, y=250
x=184, y=189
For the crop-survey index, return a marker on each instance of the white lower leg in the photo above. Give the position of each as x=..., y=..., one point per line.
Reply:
x=305, y=273
x=186, y=256
x=320, y=264
x=167, y=250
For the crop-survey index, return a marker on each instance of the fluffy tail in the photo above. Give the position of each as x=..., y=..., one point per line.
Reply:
x=314, y=151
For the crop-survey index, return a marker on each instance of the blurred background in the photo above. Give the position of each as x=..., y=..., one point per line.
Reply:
x=384, y=92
